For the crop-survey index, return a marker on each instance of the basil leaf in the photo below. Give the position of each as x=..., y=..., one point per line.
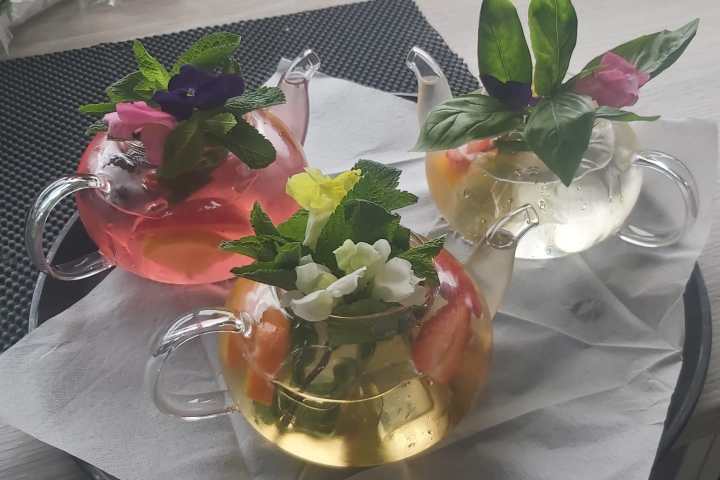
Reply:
x=124, y=89
x=209, y=52
x=183, y=149
x=655, y=52
x=558, y=131
x=263, y=97
x=150, y=67
x=247, y=144
x=617, y=115
x=421, y=259
x=465, y=118
x=502, y=50
x=294, y=227
x=553, y=32
x=97, y=108
x=261, y=222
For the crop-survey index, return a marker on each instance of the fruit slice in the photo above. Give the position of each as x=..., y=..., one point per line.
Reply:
x=271, y=343
x=478, y=146
x=455, y=284
x=438, y=349
x=232, y=345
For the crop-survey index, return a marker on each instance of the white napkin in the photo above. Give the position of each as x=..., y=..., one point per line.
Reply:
x=587, y=349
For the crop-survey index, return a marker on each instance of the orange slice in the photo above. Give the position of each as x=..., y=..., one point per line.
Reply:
x=271, y=343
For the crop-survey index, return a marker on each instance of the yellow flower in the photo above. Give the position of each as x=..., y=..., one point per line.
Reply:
x=319, y=193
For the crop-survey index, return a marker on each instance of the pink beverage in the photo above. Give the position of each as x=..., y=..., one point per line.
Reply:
x=137, y=227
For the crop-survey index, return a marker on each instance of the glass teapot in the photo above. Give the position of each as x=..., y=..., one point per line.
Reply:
x=475, y=184
x=138, y=227
x=347, y=391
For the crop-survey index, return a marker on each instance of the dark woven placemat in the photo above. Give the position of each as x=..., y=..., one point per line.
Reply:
x=41, y=131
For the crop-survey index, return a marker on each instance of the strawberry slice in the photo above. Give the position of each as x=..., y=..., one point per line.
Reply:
x=455, y=284
x=271, y=343
x=479, y=146
x=438, y=350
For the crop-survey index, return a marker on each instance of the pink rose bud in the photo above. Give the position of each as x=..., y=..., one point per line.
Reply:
x=615, y=83
x=154, y=126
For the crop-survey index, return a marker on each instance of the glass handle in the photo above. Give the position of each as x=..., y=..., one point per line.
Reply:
x=294, y=83
x=681, y=176
x=48, y=199
x=186, y=328
x=433, y=86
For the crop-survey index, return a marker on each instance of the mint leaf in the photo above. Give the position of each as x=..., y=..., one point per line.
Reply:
x=262, y=97
x=465, y=118
x=294, y=227
x=124, y=89
x=378, y=184
x=553, y=32
x=502, y=50
x=366, y=306
x=655, y=52
x=421, y=259
x=220, y=124
x=400, y=240
x=150, y=67
x=261, y=222
x=288, y=256
x=96, y=127
x=210, y=51
x=261, y=247
x=559, y=130
x=183, y=149
x=357, y=331
x=97, y=108
x=268, y=273
x=247, y=144
x=617, y=115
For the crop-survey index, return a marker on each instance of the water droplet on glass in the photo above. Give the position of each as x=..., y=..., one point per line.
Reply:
x=578, y=188
x=411, y=445
x=483, y=221
x=542, y=204
x=466, y=195
x=548, y=251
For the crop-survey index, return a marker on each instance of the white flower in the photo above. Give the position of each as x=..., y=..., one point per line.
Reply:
x=396, y=282
x=318, y=305
x=350, y=256
x=312, y=276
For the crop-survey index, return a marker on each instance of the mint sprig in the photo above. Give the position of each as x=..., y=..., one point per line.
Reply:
x=421, y=259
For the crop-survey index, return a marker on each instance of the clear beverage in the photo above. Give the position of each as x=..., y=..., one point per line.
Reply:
x=140, y=229
x=474, y=188
x=363, y=404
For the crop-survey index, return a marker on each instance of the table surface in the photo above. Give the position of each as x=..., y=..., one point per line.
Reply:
x=690, y=89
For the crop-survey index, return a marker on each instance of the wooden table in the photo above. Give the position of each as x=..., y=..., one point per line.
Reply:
x=690, y=89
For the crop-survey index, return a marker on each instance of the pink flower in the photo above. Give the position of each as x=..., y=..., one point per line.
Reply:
x=615, y=83
x=154, y=126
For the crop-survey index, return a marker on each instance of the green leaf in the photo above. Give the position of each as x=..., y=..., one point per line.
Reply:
x=294, y=227
x=247, y=144
x=378, y=184
x=288, y=256
x=262, y=97
x=366, y=306
x=268, y=273
x=465, y=118
x=261, y=222
x=96, y=127
x=124, y=89
x=220, y=124
x=358, y=331
x=502, y=49
x=261, y=247
x=183, y=149
x=553, y=32
x=617, y=115
x=421, y=259
x=655, y=52
x=400, y=240
x=210, y=51
x=559, y=130
x=150, y=67
x=97, y=108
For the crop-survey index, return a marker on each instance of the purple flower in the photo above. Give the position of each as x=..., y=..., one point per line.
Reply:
x=193, y=88
x=515, y=95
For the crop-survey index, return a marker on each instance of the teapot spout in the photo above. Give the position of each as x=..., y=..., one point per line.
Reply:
x=294, y=83
x=433, y=87
x=491, y=262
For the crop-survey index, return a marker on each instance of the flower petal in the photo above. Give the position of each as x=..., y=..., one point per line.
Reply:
x=347, y=284
x=314, y=307
x=189, y=78
x=176, y=103
x=352, y=256
x=217, y=90
x=313, y=276
x=395, y=281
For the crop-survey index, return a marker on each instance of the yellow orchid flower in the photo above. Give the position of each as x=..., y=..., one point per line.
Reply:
x=320, y=195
